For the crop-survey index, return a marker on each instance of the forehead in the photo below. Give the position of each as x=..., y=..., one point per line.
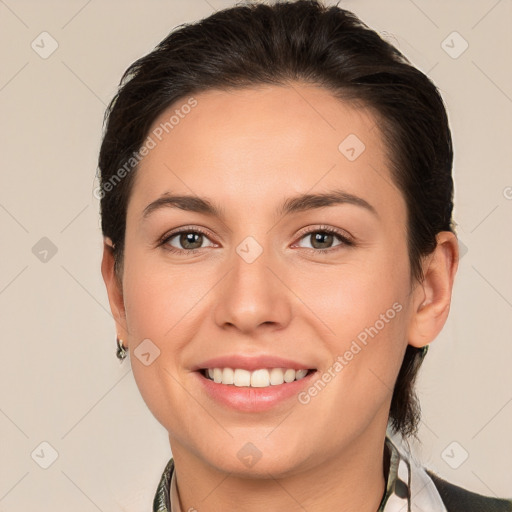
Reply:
x=252, y=146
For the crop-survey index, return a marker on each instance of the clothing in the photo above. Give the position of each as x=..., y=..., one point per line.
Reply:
x=409, y=488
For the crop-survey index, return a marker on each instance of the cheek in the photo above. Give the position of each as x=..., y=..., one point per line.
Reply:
x=163, y=396
x=353, y=296
x=157, y=296
x=153, y=319
x=369, y=334
x=151, y=311
x=362, y=309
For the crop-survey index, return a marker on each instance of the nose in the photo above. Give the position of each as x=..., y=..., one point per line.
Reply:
x=253, y=296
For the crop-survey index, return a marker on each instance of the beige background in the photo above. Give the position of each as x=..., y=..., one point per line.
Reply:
x=60, y=381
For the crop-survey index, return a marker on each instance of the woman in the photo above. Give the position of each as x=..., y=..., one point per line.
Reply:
x=276, y=200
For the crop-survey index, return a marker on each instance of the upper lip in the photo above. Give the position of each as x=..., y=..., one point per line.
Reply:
x=251, y=363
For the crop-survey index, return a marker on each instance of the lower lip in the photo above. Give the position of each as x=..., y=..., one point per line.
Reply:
x=250, y=399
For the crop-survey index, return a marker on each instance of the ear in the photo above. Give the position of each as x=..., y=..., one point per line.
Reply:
x=114, y=290
x=432, y=297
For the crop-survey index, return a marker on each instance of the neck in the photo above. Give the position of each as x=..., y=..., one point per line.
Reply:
x=353, y=478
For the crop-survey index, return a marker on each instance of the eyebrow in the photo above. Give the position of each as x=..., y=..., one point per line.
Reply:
x=300, y=203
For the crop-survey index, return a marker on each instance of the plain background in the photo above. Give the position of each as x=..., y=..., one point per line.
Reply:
x=60, y=381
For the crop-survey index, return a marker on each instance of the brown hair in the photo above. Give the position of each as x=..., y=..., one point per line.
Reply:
x=276, y=44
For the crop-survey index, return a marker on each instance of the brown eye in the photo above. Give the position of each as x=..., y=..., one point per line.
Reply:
x=190, y=240
x=323, y=240
x=185, y=241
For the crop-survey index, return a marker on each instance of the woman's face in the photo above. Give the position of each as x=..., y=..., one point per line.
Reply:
x=263, y=285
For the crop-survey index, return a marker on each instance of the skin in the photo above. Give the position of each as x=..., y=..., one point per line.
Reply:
x=247, y=150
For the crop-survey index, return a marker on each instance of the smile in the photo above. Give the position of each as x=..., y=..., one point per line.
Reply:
x=260, y=378
x=256, y=391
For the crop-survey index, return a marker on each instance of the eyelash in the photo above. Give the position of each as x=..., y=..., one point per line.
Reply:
x=346, y=241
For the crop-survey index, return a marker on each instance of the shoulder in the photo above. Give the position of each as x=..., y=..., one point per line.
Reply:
x=458, y=499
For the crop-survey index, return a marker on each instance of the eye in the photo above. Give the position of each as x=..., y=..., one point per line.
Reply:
x=322, y=238
x=189, y=240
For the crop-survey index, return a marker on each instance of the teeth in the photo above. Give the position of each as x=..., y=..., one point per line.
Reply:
x=289, y=375
x=300, y=374
x=217, y=375
x=242, y=378
x=276, y=376
x=261, y=378
x=228, y=376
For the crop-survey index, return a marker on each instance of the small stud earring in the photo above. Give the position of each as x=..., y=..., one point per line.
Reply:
x=121, y=350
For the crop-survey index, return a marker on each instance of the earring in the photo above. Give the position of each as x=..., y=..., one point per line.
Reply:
x=424, y=351
x=121, y=350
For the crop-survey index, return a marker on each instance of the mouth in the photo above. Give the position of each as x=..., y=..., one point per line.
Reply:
x=259, y=378
x=254, y=391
